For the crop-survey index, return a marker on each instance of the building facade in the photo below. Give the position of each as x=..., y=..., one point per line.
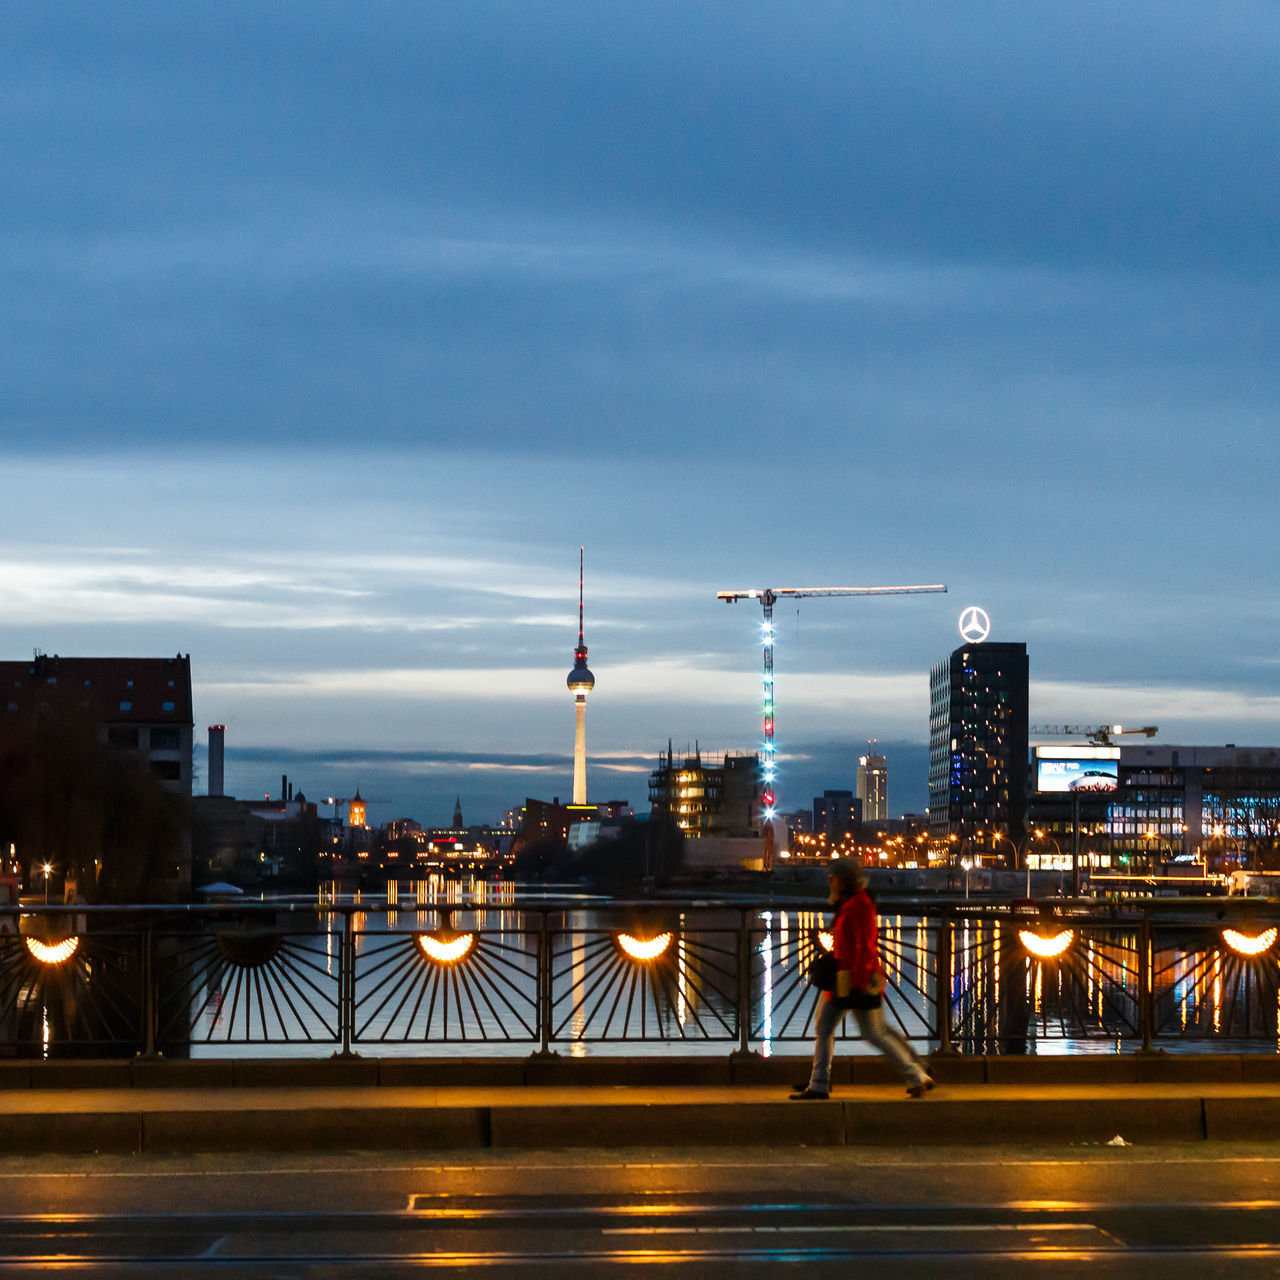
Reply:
x=873, y=787
x=1219, y=806
x=837, y=816
x=139, y=708
x=978, y=752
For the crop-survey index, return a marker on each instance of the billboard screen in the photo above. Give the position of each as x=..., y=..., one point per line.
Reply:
x=1077, y=770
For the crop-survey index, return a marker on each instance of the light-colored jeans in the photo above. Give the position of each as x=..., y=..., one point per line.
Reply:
x=871, y=1024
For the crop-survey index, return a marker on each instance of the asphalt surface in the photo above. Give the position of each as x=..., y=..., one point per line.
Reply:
x=1178, y=1210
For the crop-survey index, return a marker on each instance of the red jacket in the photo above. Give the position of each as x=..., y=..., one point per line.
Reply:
x=853, y=934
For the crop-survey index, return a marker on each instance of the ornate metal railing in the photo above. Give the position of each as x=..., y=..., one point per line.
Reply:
x=560, y=977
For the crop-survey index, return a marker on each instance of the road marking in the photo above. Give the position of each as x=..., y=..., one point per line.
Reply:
x=693, y=1164
x=847, y=1228
x=635, y=1257
x=215, y=1246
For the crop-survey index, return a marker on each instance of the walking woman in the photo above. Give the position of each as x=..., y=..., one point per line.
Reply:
x=859, y=986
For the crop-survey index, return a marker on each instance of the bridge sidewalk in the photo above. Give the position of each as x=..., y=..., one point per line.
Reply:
x=1218, y=1098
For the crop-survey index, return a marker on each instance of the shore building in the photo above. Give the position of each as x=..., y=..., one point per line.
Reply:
x=978, y=752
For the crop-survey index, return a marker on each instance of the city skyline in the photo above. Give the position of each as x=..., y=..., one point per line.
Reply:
x=329, y=335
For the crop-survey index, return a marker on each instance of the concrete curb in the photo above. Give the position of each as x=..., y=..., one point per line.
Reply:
x=1083, y=1069
x=1146, y=1119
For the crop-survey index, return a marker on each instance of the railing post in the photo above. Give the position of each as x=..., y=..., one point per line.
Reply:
x=943, y=959
x=1146, y=988
x=744, y=986
x=543, y=987
x=150, y=997
x=347, y=982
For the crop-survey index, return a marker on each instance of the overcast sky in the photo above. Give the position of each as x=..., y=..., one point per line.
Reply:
x=329, y=332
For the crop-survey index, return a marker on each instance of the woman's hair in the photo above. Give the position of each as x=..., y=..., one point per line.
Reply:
x=849, y=873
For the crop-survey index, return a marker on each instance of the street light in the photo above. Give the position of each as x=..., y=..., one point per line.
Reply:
x=1057, y=849
x=1000, y=835
x=1223, y=834
x=46, y=868
x=1152, y=834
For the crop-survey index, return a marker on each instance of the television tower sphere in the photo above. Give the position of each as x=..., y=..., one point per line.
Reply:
x=580, y=679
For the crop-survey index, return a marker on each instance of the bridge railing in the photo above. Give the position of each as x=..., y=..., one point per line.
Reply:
x=293, y=977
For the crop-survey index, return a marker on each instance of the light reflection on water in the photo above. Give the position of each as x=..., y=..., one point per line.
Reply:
x=1001, y=1001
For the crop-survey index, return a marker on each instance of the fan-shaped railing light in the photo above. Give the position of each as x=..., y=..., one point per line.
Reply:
x=1250, y=945
x=52, y=952
x=826, y=941
x=644, y=948
x=446, y=950
x=1046, y=948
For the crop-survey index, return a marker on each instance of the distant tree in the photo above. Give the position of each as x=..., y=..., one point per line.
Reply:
x=643, y=854
x=95, y=814
x=543, y=860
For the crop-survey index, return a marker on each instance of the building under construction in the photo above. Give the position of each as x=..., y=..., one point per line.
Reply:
x=709, y=795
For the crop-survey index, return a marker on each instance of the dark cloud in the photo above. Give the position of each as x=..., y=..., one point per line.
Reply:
x=839, y=292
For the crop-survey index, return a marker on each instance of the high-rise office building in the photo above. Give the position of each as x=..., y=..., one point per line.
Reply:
x=978, y=752
x=708, y=796
x=873, y=787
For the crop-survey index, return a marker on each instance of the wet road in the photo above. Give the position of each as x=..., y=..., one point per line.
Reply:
x=1203, y=1210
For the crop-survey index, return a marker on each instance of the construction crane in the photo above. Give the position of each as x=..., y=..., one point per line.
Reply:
x=768, y=597
x=1100, y=735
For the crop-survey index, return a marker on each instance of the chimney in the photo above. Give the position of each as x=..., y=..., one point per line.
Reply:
x=217, y=742
x=284, y=786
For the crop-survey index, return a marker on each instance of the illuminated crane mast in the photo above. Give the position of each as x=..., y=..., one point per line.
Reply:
x=768, y=597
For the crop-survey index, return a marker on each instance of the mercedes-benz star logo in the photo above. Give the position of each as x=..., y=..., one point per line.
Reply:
x=975, y=626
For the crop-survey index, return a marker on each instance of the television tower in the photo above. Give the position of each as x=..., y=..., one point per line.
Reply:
x=580, y=682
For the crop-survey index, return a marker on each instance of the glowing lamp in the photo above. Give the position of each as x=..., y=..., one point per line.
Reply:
x=444, y=950
x=644, y=948
x=826, y=941
x=1245, y=945
x=52, y=952
x=1046, y=948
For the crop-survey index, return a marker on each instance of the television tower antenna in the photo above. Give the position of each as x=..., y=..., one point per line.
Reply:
x=768, y=597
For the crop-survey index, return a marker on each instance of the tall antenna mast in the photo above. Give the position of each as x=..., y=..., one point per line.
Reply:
x=581, y=646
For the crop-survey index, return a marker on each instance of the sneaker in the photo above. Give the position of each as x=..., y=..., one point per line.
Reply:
x=920, y=1088
x=806, y=1095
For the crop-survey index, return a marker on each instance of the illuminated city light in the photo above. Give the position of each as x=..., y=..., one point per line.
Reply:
x=1046, y=948
x=644, y=948
x=446, y=950
x=52, y=952
x=1250, y=946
